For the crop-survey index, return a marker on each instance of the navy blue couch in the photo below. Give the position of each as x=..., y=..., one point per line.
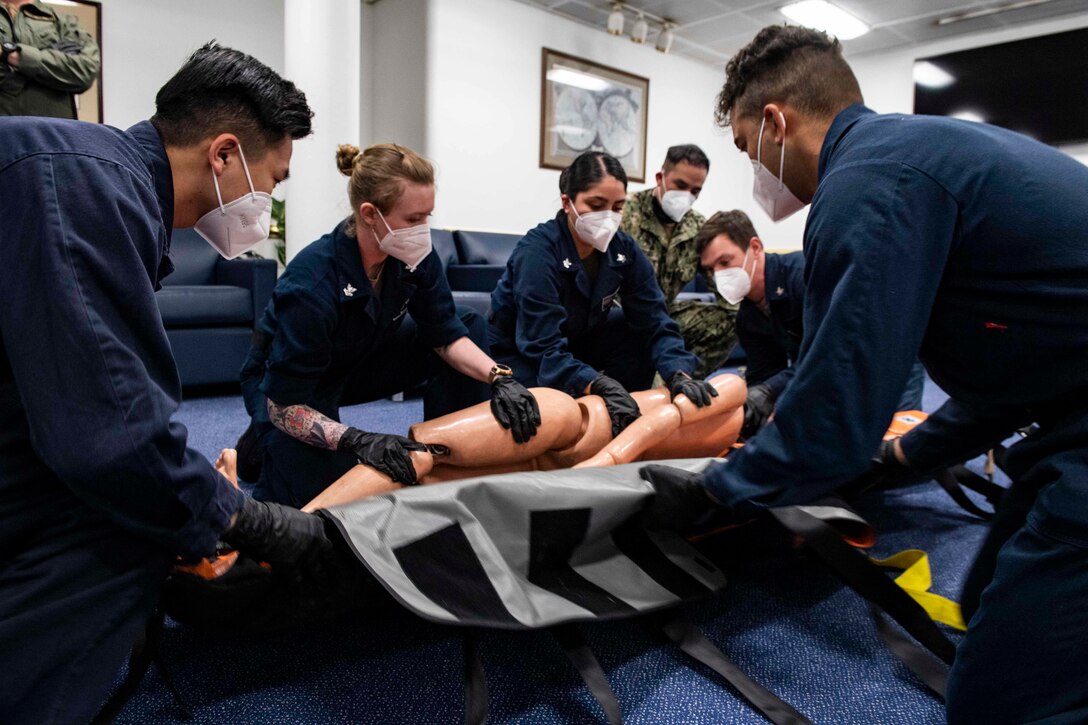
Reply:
x=209, y=306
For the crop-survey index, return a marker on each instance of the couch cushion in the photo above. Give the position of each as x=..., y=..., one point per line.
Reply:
x=484, y=247
x=204, y=305
x=442, y=239
x=475, y=277
x=194, y=259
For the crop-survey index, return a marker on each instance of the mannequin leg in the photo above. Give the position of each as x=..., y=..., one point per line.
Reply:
x=363, y=481
x=474, y=439
x=661, y=421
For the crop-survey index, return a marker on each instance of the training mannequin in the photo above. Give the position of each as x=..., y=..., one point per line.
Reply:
x=573, y=432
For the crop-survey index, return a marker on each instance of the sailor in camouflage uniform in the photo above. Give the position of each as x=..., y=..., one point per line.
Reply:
x=663, y=223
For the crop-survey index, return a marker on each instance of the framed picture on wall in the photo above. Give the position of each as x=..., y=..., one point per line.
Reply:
x=89, y=15
x=586, y=106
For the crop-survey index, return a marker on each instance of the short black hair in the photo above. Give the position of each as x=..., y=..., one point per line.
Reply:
x=734, y=224
x=586, y=170
x=686, y=152
x=221, y=90
x=799, y=66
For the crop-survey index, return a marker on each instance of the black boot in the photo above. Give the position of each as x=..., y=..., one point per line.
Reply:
x=250, y=455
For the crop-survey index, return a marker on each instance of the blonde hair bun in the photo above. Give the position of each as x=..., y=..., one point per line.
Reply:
x=346, y=154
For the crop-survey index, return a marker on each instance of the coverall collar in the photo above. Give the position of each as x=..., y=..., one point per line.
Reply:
x=155, y=154
x=847, y=117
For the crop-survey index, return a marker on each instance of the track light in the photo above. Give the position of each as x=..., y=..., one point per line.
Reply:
x=640, y=30
x=664, y=38
x=615, y=20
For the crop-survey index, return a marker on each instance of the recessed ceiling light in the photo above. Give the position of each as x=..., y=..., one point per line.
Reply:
x=824, y=16
x=928, y=75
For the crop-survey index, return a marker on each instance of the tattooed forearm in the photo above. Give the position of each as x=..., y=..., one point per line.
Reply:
x=306, y=424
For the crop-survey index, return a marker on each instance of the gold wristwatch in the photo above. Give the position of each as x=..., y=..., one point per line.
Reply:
x=498, y=371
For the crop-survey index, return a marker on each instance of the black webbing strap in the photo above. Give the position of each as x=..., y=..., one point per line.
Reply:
x=693, y=643
x=971, y=480
x=475, y=682
x=953, y=488
x=143, y=650
x=928, y=670
x=581, y=656
x=868, y=580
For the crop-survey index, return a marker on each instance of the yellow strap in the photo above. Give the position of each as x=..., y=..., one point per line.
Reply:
x=916, y=581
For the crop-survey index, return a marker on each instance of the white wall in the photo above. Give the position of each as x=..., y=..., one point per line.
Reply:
x=483, y=116
x=886, y=78
x=144, y=42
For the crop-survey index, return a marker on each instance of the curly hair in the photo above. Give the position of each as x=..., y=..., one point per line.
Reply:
x=799, y=66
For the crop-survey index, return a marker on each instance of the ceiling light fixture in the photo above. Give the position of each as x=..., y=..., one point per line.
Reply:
x=615, y=20
x=822, y=15
x=664, y=38
x=930, y=76
x=640, y=30
x=972, y=14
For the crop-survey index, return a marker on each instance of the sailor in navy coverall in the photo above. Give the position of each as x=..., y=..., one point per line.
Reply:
x=970, y=243
x=578, y=307
x=327, y=339
x=99, y=494
x=557, y=327
x=769, y=320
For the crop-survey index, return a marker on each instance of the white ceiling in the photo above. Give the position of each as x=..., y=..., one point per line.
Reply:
x=710, y=31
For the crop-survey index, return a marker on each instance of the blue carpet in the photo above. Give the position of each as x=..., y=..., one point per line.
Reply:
x=783, y=619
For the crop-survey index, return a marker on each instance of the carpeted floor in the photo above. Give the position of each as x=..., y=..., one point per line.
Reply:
x=784, y=619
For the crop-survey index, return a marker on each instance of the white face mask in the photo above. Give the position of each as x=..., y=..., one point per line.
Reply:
x=596, y=227
x=237, y=227
x=677, y=203
x=734, y=283
x=771, y=193
x=410, y=245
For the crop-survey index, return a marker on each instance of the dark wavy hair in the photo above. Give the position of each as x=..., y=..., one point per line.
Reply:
x=688, y=152
x=799, y=66
x=220, y=90
x=587, y=169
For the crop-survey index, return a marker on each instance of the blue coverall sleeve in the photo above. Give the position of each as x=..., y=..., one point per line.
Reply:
x=957, y=432
x=780, y=381
x=89, y=355
x=645, y=311
x=432, y=307
x=766, y=358
x=877, y=240
x=540, y=314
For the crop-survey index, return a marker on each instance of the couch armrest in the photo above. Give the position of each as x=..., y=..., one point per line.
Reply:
x=256, y=275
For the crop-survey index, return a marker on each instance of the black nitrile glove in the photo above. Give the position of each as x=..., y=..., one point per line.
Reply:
x=681, y=502
x=384, y=451
x=281, y=535
x=698, y=391
x=622, y=408
x=514, y=407
x=757, y=409
x=885, y=471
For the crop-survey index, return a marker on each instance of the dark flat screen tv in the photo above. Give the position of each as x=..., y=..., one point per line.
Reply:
x=1037, y=86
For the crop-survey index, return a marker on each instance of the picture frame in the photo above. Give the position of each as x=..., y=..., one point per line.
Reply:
x=89, y=15
x=587, y=106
